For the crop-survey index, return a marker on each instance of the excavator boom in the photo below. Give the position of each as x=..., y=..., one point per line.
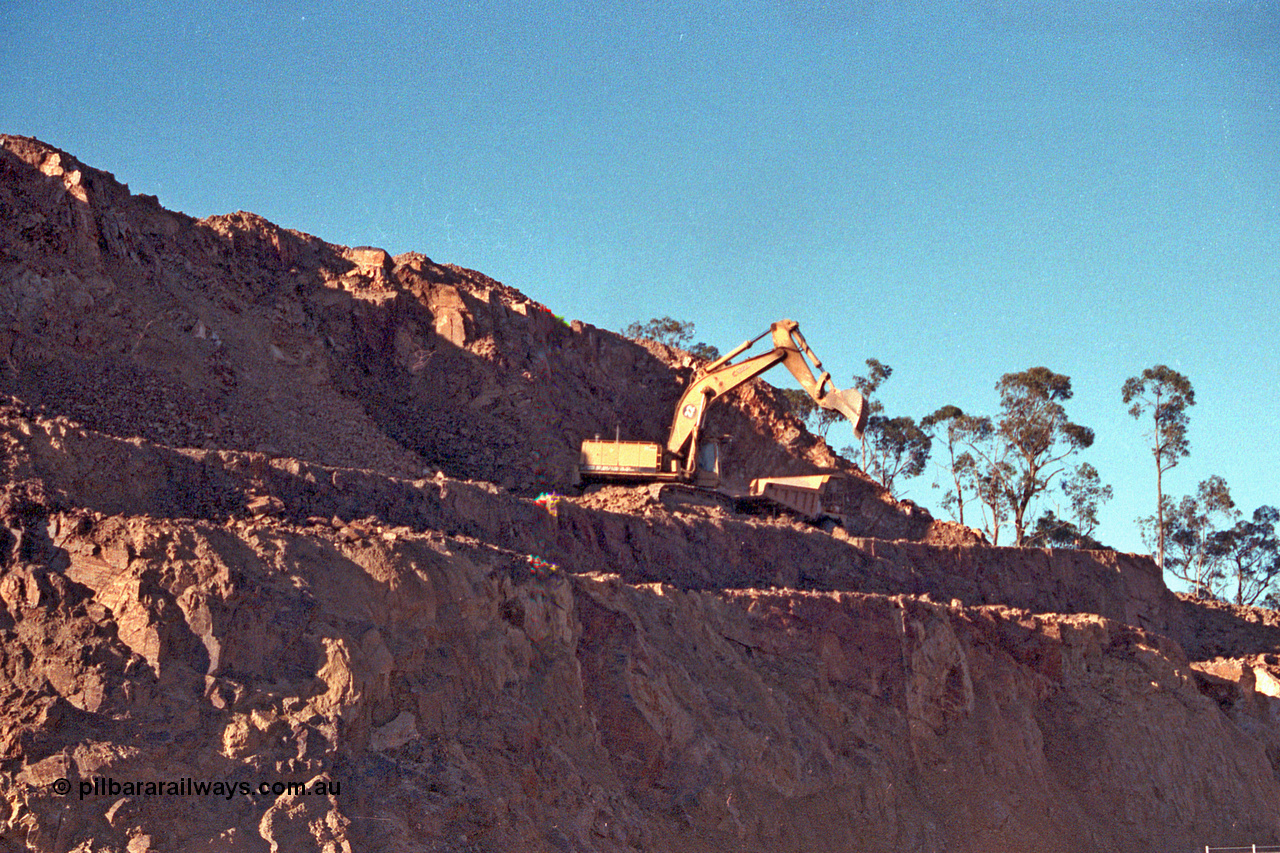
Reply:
x=824, y=392
x=679, y=460
x=722, y=375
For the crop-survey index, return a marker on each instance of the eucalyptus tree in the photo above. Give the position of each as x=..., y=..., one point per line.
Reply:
x=1250, y=549
x=1189, y=525
x=673, y=333
x=984, y=469
x=951, y=427
x=899, y=448
x=877, y=373
x=1037, y=435
x=1085, y=493
x=664, y=330
x=816, y=418
x=1164, y=394
x=801, y=403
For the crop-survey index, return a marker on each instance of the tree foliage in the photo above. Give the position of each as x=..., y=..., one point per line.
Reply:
x=1165, y=394
x=813, y=416
x=950, y=425
x=877, y=373
x=704, y=351
x=1248, y=552
x=1050, y=531
x=823, y=419
x=977, y=464
x=1085, y=493
x=673, y=333
x=1034, y=428
x=1009, y=462
x=1188, y=527
x=801, y=402
x=899, y=448
x=989, y=474
x=664, y=330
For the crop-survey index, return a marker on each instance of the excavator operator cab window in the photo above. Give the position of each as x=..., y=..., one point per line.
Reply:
x=708, y=464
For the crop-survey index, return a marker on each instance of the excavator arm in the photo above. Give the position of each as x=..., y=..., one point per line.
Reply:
x=722, y=376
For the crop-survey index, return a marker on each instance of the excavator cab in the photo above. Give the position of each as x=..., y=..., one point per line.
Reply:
x=707, y=474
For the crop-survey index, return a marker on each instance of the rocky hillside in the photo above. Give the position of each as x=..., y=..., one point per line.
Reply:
x=274, y=578
x=232, y=332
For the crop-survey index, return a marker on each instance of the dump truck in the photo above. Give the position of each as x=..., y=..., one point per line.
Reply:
x=817, y=498
x=688, y=457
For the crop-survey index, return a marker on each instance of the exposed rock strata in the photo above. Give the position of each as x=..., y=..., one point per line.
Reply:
x=266, y=516
x=234, y=333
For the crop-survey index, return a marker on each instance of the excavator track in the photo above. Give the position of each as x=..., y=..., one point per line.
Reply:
x=681, y=497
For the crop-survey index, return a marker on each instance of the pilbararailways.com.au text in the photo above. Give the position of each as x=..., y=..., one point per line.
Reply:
x=187, y=787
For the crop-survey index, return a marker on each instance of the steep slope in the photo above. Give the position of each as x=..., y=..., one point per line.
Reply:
x=234, y=333
x=268, y=520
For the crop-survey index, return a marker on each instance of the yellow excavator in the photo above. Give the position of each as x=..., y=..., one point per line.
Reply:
x=689, y=459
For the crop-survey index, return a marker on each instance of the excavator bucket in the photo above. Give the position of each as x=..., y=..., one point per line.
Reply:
x=850, y=404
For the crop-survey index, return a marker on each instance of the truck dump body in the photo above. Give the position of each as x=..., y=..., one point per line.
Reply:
x=811, y=496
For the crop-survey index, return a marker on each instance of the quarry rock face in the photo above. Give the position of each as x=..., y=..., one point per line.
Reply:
x=274, y=578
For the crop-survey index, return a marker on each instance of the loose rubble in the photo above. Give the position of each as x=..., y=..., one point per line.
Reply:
x=275, y=512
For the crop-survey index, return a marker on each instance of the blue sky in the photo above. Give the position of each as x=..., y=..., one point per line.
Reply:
x=958, y=189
